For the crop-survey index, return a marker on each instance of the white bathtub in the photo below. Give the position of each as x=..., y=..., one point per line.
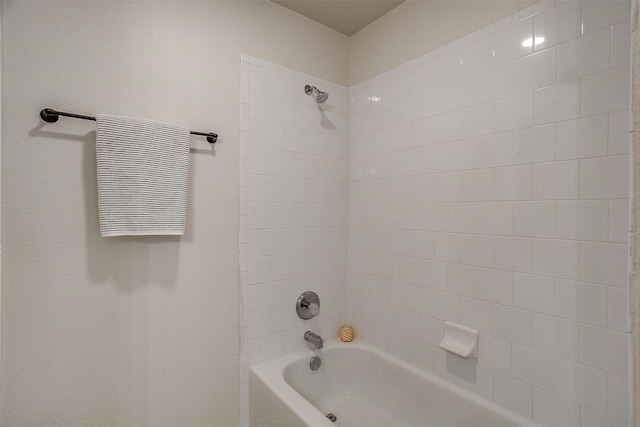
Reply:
x=363, y=387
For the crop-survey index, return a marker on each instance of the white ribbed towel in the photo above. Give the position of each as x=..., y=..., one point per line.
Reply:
x=142, y=176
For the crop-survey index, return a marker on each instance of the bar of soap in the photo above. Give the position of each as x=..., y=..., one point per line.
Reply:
x=346, y=333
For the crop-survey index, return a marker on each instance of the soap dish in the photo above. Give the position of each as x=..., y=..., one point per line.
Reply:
x=460, y=340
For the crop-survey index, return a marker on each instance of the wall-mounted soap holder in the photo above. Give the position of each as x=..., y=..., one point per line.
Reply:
x=460, y=340
x=308, y=305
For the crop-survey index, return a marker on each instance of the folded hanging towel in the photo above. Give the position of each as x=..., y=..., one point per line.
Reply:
x=142, y=176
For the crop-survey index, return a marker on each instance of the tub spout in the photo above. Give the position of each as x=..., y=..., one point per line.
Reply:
x=313, y=339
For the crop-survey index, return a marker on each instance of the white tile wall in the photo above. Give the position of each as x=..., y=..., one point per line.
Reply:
x=293, y=210
x=485, y=183
x=515, y=218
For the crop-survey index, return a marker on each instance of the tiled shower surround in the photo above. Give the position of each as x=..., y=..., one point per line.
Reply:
x=294, y=210
x=488, y=185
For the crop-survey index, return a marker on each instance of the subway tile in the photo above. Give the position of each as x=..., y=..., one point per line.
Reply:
x=434, y=274
x=476, y=314
x=604, y=263
x=259, y=215
x=494, y=353
x=604, y=177
x=422, y=76
x=582, y=302
x=435, y=216
x=462, y=279
x=478, y=120
x=477, y=55
x=601, y=14
x=514, y=112
x=513, y=394
x=435, y=101
x=463, y=217
x=448, y=247
x=559, y=24
x=264, y=296
x=580, y=138
x=421, y=188
x=554, y=411
x=514, y=183
x=509, y=41
x=495, y=218
x=581, y=383
x=535, y=219
x=478, y=185
x=259, y=323
x=558, y=102
x=432, y=330
x=388, y=315
x=584, y=55
x=259, y=270
x=411, y=162
x=532, y=366
x=535, y=144
x=463, y=154
x=533, y=10
x=606, y=91
x=556, y=258
x=617, y=304
x=410, y=270
x=495, y=150
x=512, y=324
x=448, y=67
x=411, y=108
x=514, y=254
x=555, y=180
x=446, y=306
x=534, y=293
x=556, y=336
x=619, y=221
x=422, y=244
x=266, y=134
x=447, y=186
x=463, y=92
x=435, y=158
x=591, y=418
x=619, y=133
x=477, y=250
x=495, y=286
x=535, y=70
x=604, y=349
x=449, y=126
x=496, y=82
x=620, y=43
x=618, y=397
x=423, y=132
x=409, y=323
x=582, y=220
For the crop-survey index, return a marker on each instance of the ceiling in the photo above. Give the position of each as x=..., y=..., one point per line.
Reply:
x=345, y=16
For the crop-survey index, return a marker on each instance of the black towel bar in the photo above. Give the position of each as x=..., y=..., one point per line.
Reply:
x=50, y=115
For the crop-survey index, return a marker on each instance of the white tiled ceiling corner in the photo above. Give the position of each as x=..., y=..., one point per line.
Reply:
x=347, y=17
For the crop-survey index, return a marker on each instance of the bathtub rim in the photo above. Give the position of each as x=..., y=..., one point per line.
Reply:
x=271, y=374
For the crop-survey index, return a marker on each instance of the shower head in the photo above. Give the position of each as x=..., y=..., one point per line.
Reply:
x=320, y=95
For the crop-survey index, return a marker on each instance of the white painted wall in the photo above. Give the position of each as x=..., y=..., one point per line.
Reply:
x=419, y=26
x=489, y=187
x=128, y=331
